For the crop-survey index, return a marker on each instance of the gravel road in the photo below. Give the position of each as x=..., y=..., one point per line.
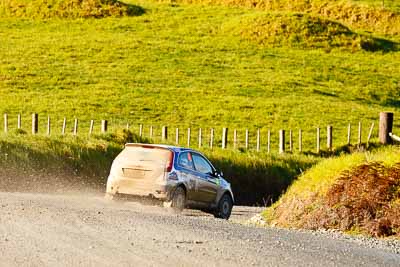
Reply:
x=71, y=230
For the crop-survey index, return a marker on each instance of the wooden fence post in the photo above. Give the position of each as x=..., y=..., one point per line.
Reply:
x=258, y=140
x=269, y=141
x=246, y=139
x=151, y=132
x=64, y=126
x=281, y=141
x=318, y=139
x=385, y=127
x=359, y=133
x=76, y=127
x=200, y=138
x=5, y=123
x=164, y=133
x=19, y=123
x=92, y=126
x=177, y=136
x=349, y=134
x=48, y=125
x=224, y=138
x=235, y=139
x=329, y=137
x=35, y=123
x=370, y=133
x=140, y=130
x=290, y=141
x=104, y=126
x=188, y=137
x=211, y=138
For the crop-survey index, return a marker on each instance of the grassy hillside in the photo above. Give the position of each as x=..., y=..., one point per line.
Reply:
x=356, y=193
x=64, y=164
x=194, y=69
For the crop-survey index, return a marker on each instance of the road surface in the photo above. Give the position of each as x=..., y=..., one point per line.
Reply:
x=74, y=230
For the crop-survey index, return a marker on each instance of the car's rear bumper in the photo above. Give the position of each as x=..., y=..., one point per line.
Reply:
x=161, y=191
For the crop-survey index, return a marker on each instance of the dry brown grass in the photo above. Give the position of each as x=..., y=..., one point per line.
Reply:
x=363, y=200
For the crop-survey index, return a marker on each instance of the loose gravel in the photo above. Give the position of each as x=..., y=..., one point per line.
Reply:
x=74, y=230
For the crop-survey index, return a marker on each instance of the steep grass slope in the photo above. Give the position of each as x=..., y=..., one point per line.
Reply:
x=188, y=71
x=357, y=193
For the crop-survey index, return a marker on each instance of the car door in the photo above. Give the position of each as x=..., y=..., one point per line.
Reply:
x=207, y=183
x=187, y=173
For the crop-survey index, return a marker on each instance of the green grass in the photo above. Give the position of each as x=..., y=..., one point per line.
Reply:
x=186, y=66
x=187, y=71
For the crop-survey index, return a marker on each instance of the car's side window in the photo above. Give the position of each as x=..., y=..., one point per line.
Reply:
x=201, y=164
x=185, y=160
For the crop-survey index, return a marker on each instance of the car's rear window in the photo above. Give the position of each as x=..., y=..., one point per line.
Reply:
x=139, y=153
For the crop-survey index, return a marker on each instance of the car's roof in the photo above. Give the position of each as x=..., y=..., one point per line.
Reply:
x=173, y=148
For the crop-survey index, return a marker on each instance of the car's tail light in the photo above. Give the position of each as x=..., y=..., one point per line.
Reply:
x=170, y=162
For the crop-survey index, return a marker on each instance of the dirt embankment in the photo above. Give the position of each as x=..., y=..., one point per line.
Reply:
x=365, y=200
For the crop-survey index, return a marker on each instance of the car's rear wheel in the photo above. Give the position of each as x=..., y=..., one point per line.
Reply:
x=224, y=208
x=178, y=200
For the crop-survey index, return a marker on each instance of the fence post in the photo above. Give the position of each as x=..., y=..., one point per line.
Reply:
x=200, y=138
x=211, y=138
x=104, y=126
x=318, y=139
x=370, y=133
x=329, y=137
x=127, y=125
x=281, y=141
x=258, y=140
x=246, y=139
x=164, y=133
x=5, y=123
x=188, y=137
x=48, y=125
x=19, y=123
x=300, y=140
x=224, y=138
x=349, y=134
x=92, y=125
x=76, y=127
x=359, y=133
x=235, y=139
x=151, y=132
x=140, y=130
x=35, y=123
x=177, y=136
x=385, y=127
x=290, y=141
x=269, y=141
x=64, y=126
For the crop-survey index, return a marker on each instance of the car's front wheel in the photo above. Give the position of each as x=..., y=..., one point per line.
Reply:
x=178, y=200
x=224, y=208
